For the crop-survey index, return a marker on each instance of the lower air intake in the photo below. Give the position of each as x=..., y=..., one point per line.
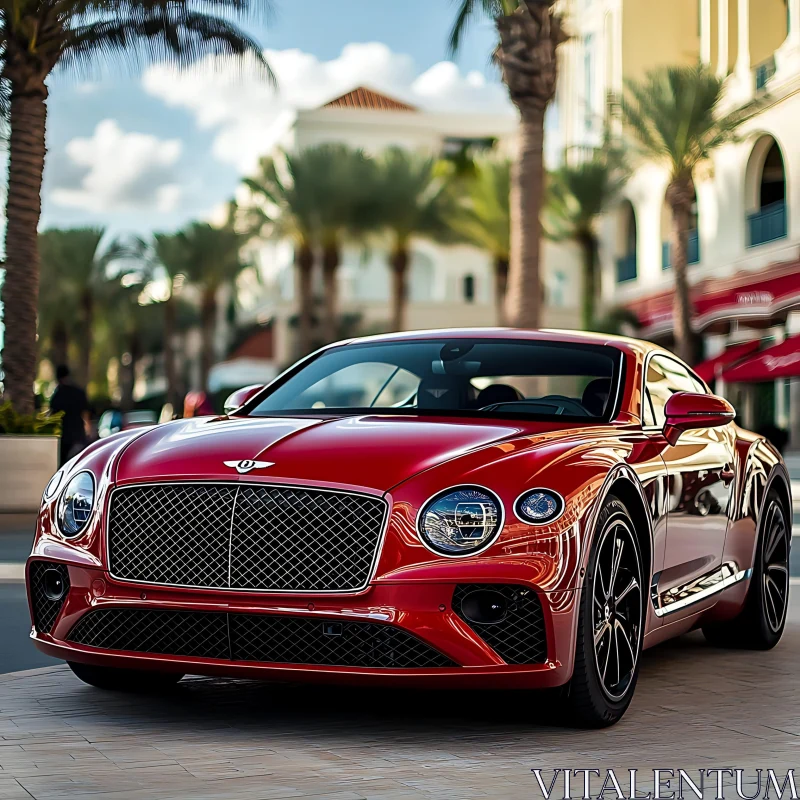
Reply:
x=256, y=637
x=49, y=587
x=518, y=637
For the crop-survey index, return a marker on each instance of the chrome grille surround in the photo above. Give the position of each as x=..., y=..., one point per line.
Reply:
x=239, y=536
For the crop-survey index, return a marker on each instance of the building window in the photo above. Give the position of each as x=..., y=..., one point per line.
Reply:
x=469, y=288
x=766, y=189
x=588, y=80
x=627, y=267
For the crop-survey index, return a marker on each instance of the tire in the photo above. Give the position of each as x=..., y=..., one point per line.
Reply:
x=760, y=624
x=125, y=680
x=597, y=696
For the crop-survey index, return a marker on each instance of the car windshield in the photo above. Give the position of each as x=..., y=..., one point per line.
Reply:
x=467, y=377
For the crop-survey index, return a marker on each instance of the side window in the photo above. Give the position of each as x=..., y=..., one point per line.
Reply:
x=665, y=377
x=647, y=410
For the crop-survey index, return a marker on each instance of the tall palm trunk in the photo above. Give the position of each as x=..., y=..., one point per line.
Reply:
x=20, y=295
x=208, y=326
x=399, y=263
x=500, y=288
x=527, y=56
x=85, y=367
x=331, y=258
x=589, y=258
x=524, y=296
x=304, y=262
x=680, y=195
x=59, y=343
x=169, y=351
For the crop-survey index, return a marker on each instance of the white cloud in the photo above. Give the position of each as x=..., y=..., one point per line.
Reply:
x=121, y=171
x=246, y=112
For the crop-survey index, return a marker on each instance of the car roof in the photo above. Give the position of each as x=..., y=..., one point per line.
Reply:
x=625, y=343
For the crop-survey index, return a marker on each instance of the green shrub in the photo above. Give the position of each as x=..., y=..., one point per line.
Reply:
x=41, y=424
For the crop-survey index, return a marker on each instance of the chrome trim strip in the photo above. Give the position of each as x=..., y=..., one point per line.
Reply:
x=699, y=589
x=359, y=590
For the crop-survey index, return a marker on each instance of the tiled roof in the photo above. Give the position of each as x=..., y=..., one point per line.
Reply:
x=368, y=99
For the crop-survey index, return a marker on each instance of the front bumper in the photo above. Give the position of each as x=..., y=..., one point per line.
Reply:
x=423, y=610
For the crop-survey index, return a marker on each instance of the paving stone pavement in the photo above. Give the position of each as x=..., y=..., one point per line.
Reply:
x=695, y=707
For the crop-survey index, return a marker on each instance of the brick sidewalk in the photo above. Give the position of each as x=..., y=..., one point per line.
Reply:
x=695, y=707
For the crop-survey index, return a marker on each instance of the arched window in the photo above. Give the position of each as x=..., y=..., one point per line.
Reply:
x=626, y=259
x=765, y=184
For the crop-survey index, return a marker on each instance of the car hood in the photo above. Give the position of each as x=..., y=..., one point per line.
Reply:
x=372, y=452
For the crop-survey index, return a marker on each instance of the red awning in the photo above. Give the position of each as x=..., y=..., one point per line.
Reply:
x=750, y=297
x=779, y=361
x=736, y=352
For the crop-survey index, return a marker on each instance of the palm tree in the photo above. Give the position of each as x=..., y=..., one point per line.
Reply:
x=528, y=33
x=213, y=260
x=674, y=115
x=36, y=36
x=73, y=270
x=284, y=207
x=483, y=218
x=577, y=195
x=342, y=207
x=411, y=200
x=165, y=261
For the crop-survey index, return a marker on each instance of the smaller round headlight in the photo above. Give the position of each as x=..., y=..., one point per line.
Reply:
x=461, y=521
x=52, y=486
x=539, y=506
x=76, y=504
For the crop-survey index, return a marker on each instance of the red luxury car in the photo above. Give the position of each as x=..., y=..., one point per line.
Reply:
x=485, y=508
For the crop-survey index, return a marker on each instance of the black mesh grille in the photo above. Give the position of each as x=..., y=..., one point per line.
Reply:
x=520, y=638
x=255, y=637
x=45, y=610
x=179, y=633
x=268, y=538
x=311, y=641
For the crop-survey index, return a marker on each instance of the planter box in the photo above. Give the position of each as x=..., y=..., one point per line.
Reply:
x=26, y=465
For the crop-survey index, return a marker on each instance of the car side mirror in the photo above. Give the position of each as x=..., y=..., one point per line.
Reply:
x=240, y=397
x=687, y=411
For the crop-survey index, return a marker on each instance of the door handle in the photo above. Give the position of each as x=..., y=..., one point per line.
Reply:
x=727, y=475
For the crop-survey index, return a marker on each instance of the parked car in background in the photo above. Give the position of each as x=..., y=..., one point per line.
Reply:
x=114, y=421
x=474, y=509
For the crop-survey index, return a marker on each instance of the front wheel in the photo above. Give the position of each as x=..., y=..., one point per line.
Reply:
x=610, y=623
x=761, y=623
x=124, y=680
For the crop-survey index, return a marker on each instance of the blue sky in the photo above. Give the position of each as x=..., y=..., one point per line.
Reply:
x=145, y=152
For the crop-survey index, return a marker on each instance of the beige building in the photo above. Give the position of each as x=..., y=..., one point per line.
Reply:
x=448, y=286
x=745, y=249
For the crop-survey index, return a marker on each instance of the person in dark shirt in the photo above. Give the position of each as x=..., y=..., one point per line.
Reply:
x=70, y=399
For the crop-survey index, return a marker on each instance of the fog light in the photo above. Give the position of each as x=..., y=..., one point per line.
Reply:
x=53, y=585
x=484, y=607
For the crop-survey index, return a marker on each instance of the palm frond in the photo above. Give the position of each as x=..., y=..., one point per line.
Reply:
x=482, y=214
x=673, y=114
x=467, y=11
x=171, y=32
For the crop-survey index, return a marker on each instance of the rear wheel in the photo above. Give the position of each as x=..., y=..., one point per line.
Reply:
x=761, y=623
x=610, y=624
x=124, y=680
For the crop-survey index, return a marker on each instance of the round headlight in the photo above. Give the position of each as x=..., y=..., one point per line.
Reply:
x=76, y=504
x=539, y=506
x=52, y=486
x=461, y=521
